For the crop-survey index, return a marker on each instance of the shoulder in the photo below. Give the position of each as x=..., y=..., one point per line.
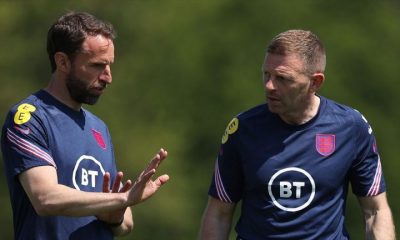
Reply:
x=347, y=114
x=25, y=110
x=337, y=108
x=32, y=100
x=253, y=113
x=94, y=119
x=252, y=116
x=244, y=120
x=24, y=124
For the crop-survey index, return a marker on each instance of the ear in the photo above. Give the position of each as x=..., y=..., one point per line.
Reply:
x=317, y=81
x=62, y=62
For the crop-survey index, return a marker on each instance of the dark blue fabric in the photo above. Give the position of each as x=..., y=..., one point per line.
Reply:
x=76, y=143
x=293, y=180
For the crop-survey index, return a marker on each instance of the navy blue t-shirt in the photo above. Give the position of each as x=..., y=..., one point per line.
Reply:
x=293, y=180
x=41, y=131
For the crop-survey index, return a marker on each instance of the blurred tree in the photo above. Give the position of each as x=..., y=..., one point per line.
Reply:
x=184, y=68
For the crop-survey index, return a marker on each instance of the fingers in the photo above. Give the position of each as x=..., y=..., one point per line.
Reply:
x=161, y=180
x=145, y=177
x=150, y=170
x=155, y=162
x=143, y=186
x=106, y=182
x=163, y=153
x=126, y=186
x=117, y=182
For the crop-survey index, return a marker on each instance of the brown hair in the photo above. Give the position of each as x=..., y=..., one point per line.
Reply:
x=303, y=43
x=70, y=30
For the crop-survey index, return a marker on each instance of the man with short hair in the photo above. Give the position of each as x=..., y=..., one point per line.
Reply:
x=59, y=158
x=290, y=161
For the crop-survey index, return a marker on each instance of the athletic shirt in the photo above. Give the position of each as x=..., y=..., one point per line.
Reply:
x=293, y=180
x=41, y=131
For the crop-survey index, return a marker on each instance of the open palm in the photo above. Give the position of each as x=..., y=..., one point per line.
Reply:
x=144, y=187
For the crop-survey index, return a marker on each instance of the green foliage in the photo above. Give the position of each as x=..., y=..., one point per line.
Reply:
x=184, y=68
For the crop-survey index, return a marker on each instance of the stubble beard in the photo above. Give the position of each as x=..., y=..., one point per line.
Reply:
x=78, y=91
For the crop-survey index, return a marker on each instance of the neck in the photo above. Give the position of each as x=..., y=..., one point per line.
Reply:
x=58, y=89
x=301, y=117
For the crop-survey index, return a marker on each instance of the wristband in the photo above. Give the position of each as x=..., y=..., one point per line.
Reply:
x=116, y=224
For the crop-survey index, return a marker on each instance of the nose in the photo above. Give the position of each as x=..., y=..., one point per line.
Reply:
x=269, y=83
x=106, y=76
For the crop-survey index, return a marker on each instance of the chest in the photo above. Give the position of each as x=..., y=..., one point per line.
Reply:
x=82, y=152
x=317, y=158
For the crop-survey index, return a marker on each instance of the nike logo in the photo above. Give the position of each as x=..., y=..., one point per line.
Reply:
x=25, y=131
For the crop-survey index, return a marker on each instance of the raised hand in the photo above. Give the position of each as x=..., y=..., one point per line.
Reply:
x=144, y=187
x=115, y=216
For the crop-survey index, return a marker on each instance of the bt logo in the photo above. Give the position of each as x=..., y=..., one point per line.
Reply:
x=286, y=189
x=291, y=196
x=86, y=172
x=89, y=177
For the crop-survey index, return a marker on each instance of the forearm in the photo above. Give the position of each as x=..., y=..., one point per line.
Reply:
x=379, y=225
x=66, y=201
x=214, y=229
x=49, y=198
x=217, y=220
x=378, y=217
x=126, y=226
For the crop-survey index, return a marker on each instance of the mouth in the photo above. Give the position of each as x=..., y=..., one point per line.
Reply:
x=98, y=90
x=272, y=99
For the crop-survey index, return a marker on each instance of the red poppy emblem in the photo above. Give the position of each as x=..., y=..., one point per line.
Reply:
x=325, y=144
x=99, y=139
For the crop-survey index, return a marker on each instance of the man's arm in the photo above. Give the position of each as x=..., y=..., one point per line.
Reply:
x=120, y=221
x=378, y=217
x=217, y=220
x=50, y=198
x=126, y=225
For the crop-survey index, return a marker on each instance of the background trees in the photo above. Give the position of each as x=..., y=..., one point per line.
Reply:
x=184, y=68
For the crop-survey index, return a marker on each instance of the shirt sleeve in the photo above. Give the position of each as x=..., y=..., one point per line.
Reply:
x=227, y=181
x=366, y=175
x=24, y=141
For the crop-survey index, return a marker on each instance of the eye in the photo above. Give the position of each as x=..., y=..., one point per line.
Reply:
x=281, y=78
x=266, y=76
x=100, y=65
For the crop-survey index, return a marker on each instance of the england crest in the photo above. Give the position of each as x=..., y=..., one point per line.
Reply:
x=99, y=139
x=325, y=144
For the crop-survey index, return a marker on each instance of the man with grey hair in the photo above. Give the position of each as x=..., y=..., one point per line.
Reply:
x=290, y=161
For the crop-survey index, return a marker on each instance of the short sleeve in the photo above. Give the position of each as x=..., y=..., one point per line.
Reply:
x=366, y=175
x=24, y=142
x=227, y=181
